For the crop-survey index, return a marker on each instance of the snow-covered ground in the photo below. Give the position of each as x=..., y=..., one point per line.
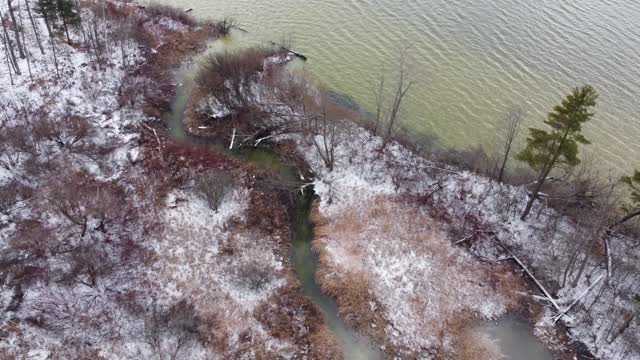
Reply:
x=217, y=261
x=394, y=216
x=418, y=243
x=106, y=254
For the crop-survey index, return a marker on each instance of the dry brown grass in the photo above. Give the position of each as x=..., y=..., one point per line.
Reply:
x=505, y=281
x=325, y=345
x=287, y=313
x=472, y=345
x=445, y=292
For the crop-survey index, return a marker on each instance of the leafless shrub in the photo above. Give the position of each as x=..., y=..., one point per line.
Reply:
x=94, y=240
x=15, y=146
x=75, y=350
x=11, y=195
x=170, y=331
x=214, y=186
x=253, y=276
x=71, y=132
x=156, y=10
x=326, y=127
x=227, y=77
x=226, y=25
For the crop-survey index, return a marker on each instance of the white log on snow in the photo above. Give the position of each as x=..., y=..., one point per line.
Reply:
x=608, y=249
x=584, y=293
x=233, y=138
x=154, y=133
x=262, y=139
x=546, y=293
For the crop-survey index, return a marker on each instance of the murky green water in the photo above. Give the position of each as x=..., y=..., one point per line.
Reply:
x=472, y=59
x=354, y=347
x=513, y=338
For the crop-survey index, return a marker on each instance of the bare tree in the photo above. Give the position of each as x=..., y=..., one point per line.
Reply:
x=325, y=126
x=390, y=115
x=36, y=32
x=8, y=59
x=379, y=95
x=214, y=187
x=170, y=331
x=9, y=45
x=24, y=41
x=16, y=29
x=512, y=127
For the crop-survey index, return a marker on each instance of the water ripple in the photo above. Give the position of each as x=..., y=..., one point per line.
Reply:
x=473, y=58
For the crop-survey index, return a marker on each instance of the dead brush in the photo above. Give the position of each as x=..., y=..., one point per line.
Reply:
x=156, y=11
x=327, y=344
x=352, y=292
x=506, y=282
x=470, y=344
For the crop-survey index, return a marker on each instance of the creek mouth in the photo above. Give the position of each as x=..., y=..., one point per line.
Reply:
x=303, y=258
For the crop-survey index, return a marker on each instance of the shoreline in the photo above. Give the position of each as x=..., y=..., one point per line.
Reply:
x=406, y=246
x=320, y=344
x=222, y=309
x=368, y=326
x=337, y=292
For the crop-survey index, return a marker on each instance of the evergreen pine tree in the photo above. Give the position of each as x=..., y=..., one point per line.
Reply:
x=548, y=149
x=67, y=13
x=48, y=9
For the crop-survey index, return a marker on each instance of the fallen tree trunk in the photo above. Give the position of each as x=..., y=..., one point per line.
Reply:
x=233, y=138
x=538, y=283
x=584, y=293
x=156, y=135
x=607, y=246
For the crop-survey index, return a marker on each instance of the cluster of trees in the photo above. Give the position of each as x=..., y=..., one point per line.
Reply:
x=557, y=147
x=58, y=15
x=230, y=80
x=62, y=18
x=73, y=230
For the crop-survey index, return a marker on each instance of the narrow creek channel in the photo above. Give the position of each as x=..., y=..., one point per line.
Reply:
x=304, y=260
x=511, y=335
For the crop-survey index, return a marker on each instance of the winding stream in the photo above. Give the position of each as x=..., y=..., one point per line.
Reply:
x=511, y=335
x=304, y=260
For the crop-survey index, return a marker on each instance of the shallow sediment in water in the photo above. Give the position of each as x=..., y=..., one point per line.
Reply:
x=513, y=338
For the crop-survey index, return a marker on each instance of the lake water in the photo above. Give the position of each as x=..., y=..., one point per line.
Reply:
x=472, y=59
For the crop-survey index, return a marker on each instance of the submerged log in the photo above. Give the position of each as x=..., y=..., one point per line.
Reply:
x=296, y=54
